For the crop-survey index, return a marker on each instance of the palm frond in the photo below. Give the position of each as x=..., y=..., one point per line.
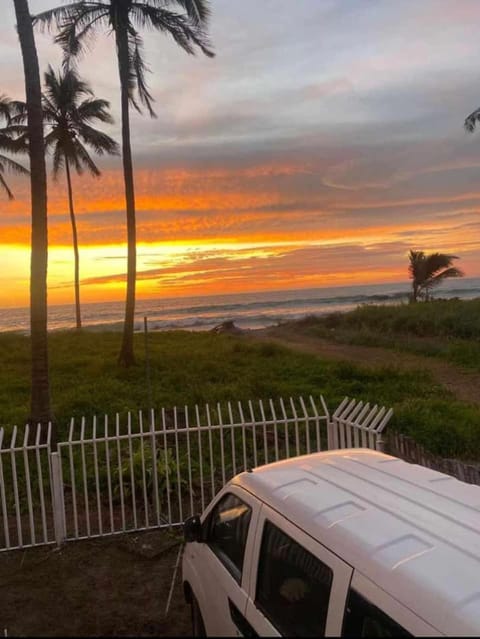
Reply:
x=58, y=160
x=78, y=35
x=17, y=112
x=186, y=35
x=138, y=70
x=50, y=110
x=76, y=161
x=471, y=121
x=416, y=261
x=5, y=186
x=76, y=23
x=12, y=166
x=57, y=16
x=65, y=90
x=12, y=110
x=435, y=262
x=13, y=139
x=84, y=158
x=94, y=109
x=51, y=138
x=5, y=112
x=100, y=142
x=14, y=130
x=437, y=279
x=198, y=11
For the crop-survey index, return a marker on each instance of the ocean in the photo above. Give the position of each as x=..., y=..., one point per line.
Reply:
x=247, y=310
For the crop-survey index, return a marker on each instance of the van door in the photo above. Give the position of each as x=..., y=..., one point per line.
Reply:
x=297, y=586
x=223, y=562
x=372, y=612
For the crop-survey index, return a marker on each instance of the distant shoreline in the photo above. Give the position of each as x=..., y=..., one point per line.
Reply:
x=153, y=327
x=248, y=311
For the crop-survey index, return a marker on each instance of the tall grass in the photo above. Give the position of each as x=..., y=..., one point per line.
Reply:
x=196, y=368
x=438, y=318
x=449, y=329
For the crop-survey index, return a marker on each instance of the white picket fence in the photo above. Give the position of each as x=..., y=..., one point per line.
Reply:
x=153, y=470
x=355, y=424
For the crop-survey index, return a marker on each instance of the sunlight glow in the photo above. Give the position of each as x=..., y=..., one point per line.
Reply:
x=226, y=265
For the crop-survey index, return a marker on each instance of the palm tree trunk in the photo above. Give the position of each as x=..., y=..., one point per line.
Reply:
x=40, y=392
x=414, y=291
x=75, y=245
x=126, y=356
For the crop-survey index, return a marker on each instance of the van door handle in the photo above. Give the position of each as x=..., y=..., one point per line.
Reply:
x=240, y=621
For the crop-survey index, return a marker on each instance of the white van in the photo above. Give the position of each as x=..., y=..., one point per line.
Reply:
x=350, y=543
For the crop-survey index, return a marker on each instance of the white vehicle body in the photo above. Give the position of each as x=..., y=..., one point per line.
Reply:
x=392, y=547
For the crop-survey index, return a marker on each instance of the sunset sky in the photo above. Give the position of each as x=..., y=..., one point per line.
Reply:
x=323, y=141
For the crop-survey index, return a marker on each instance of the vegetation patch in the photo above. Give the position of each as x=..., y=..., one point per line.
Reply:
x=449, y=329
x=186, y=368
x=445, y=427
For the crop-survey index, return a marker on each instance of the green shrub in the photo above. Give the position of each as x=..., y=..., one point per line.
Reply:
x=445, y=427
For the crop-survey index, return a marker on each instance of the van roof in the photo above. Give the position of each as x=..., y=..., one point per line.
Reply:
x=413, y=531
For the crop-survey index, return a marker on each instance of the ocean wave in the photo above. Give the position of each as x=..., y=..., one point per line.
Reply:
x=247, y=307
x=253, y=310
x=458, y=292
x=204, y=323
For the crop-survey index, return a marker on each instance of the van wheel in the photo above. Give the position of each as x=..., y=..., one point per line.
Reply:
x=198, y=627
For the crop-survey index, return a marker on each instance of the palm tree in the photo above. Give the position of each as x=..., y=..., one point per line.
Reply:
x=11, y=142
x=69, y=120
x=429, y=271
x=77, y=23
x=40, y=390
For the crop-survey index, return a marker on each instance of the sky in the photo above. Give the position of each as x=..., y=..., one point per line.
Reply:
x=322, y=143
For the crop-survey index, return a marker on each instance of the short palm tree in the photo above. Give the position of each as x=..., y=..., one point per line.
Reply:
x=429, y=271
x=10, y=142
x=77, y=22
x=69, y=110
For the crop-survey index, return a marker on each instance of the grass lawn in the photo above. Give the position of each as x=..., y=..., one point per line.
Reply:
x=187, y=368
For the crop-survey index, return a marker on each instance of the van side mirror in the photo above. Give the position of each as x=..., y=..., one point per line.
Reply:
x=192, y=529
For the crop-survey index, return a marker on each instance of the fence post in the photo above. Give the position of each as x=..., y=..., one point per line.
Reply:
x=329, y=435
x=380, y=443
x=58, y=498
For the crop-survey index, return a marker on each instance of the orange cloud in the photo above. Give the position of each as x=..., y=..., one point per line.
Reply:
x=304, y=233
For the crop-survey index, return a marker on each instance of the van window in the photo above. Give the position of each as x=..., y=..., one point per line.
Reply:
x=227, y=532
x=293, y=586
x=363, y=619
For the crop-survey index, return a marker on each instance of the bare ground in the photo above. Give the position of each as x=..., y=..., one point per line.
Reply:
x=463, y=383
x=115, y=586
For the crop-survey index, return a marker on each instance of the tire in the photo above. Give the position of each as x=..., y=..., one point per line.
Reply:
x=198, y=627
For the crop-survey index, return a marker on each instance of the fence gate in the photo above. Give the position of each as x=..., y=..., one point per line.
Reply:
x=152, y=470
x=355, y=424
x=26, y=504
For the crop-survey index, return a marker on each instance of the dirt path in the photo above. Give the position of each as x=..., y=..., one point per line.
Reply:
x=463, y=383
